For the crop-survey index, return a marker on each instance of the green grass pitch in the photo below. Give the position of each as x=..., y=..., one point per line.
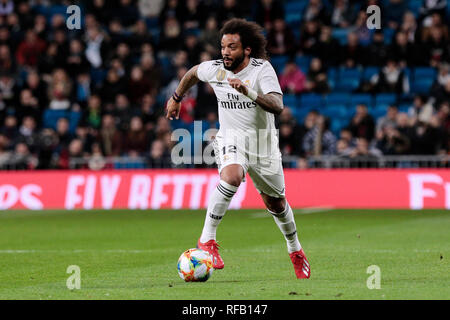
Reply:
x=133, y=255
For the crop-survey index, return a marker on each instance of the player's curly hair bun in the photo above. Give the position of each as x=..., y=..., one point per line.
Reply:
x=251, y=35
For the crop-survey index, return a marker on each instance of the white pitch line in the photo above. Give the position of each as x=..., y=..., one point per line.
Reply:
x=309, y=210
x=79, y=251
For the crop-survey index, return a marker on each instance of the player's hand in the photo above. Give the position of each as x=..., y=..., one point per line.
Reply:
x=173, y=109
x=238, y=85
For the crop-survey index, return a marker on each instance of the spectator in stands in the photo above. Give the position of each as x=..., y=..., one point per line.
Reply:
x=280, y=39
x=319, y=140
x=326, y=47
x=171, y=39
x=10, y=129
x=352, y=54
x=442, y=93
x=342, y=15
x=96, y=47
x=136, y=139
x=432, y=6
x=210, y=36
x=194, y=15
x=7, y=63
x=421, y=110
x=63, y=133
x=38, y=89
x=362, y=124
x=229, y=9
x=151, y=72
x=28, y=105
x=110, y=138
x=316, y=10
x=437, y=47
x=389, y=119
x=138, y=85
x=394, y=11
x=309, y=35
x=158, y=156
x=347, y=135
x=92, y=115
x=267, y=12
x=391, y=141
x=112, y=86
x=377, y=51
x=27, y=133
x=193, y=47
x=75, y=152
x=364, y=156
x=317, y=77
x=30, y=49
x=290, y=133
x=409, y=26
x=21, y=158
x=292, y=79
x=391, y=78
x=59, y=90
x=403, y=51
x=5, y=155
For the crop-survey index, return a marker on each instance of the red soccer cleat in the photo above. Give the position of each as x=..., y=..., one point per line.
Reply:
x=301, y=264
x=213, y=248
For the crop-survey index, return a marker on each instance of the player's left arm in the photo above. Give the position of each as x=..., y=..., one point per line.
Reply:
x=271, y=102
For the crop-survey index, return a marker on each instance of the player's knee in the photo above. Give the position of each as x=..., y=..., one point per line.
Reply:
x=276, y=205
x=234, y=180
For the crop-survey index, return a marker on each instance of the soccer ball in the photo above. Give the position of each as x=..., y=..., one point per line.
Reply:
x=195, y=265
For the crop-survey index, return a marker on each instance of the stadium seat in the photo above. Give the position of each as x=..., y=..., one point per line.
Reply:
x=337, y=99
x=424, y=72
x=335, y=111
x=369, y=72
x=294, y=13
x=278, y=62
x=310, y=100
x=414, y=6
x=303, y=63
x=385, y=99
x=422, y=86
x=340, y=34
x=97, y=76
x=360, y=98
x=379, y=111
x=332, y=75
x=290, y=100
x=152, y=22
x=388, y=35
x=50, y=117
x=348, y=80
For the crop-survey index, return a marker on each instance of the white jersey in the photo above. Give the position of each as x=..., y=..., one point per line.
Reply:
x=238, y=113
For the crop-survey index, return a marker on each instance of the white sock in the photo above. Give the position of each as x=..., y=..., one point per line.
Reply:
x=286, y=222
x=217, y=206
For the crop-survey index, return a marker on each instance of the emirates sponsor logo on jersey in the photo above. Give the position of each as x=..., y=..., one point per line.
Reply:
x=237, y=104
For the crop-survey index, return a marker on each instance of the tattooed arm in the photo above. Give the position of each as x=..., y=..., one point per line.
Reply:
x=271, y=102
x=188, y=81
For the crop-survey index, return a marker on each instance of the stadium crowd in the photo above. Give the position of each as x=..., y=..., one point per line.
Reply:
x=100, y=91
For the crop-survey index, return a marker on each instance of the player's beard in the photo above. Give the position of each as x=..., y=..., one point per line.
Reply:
x=236, y=63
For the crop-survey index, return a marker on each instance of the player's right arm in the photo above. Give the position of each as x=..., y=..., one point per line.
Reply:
x=188, y=81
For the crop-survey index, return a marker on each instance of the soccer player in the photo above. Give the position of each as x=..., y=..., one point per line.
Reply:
x=248, y=95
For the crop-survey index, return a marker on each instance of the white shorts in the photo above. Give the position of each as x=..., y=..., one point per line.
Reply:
x=266, y=172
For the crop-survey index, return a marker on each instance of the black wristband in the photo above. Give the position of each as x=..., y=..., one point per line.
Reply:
x=176, y=97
